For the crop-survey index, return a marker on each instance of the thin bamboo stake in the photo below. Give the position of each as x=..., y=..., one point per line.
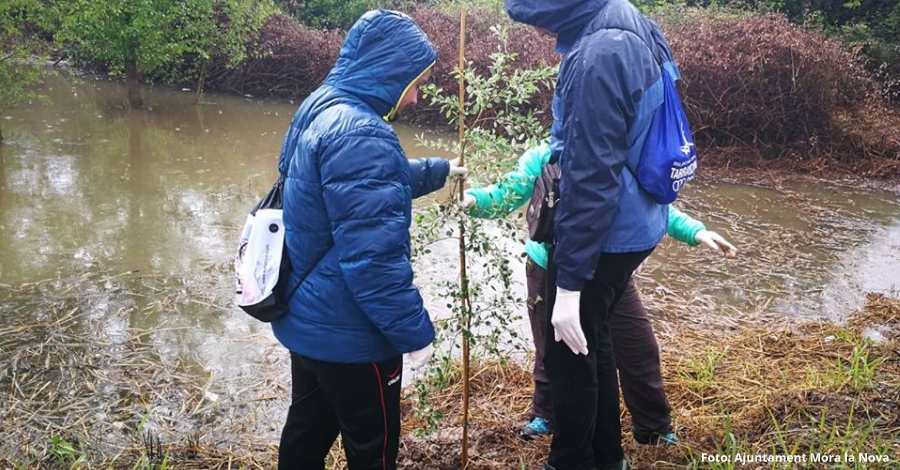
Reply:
x=463, y=278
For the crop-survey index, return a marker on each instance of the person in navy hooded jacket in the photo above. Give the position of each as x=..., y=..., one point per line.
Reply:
x=348, y=189
x=605, y=224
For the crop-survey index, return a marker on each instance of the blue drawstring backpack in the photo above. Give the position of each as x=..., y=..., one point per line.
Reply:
x=668, y=158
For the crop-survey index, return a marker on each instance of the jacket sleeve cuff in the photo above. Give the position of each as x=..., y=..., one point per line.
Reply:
x=418, y=333
x=569, y=282
x=483, y=208
x=440, y=169
x=427, y=175
x=692, y=238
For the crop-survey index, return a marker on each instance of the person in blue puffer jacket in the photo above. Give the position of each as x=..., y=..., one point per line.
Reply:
x=605, y=224
x=348, y=190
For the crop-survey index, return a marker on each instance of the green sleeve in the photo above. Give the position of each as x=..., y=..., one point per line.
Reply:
x=514, y=188
x=683, y=227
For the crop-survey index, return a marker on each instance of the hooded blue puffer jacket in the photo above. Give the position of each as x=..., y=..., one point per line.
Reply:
x=347, y=202
x=608, y=88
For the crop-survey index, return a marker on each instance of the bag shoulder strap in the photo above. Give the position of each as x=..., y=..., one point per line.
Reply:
x=660, y=62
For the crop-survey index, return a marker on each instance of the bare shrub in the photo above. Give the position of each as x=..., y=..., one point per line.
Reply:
x=757, y=82
x=758, y=90
x=288, y=60
x=442, y=26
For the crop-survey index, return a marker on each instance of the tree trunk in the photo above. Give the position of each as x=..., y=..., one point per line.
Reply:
x=133, y=83
x=200, y=81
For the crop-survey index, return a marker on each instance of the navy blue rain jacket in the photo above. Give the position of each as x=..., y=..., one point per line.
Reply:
x=348, y=202
x=608, y=88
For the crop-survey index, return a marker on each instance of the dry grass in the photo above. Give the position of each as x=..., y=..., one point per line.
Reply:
x=78, y=391
x=773, y=390
x=74, y=396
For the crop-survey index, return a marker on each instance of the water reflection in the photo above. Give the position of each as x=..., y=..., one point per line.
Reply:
x=87, y=185
x=86, y=181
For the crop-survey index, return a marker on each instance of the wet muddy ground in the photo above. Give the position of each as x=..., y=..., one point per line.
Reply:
x=75, y=394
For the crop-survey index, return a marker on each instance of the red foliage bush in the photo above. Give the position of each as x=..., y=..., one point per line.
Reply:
x=758, y=81
x=751, y=83
x=288, y=60
x=442, y=27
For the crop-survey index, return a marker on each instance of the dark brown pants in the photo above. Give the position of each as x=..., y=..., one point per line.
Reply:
x=635, y=349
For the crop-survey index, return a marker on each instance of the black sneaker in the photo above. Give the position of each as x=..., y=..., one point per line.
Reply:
x=620, y=465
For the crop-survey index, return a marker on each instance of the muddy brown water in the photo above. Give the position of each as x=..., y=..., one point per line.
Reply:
x=90, y=190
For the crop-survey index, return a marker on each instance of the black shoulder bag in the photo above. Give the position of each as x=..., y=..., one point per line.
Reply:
x=543, y=203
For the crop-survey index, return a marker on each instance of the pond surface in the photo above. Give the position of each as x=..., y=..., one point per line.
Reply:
x=85, y=182
x=90, y=190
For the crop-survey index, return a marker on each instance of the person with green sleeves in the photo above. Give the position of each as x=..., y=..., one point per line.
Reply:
x=634, y=344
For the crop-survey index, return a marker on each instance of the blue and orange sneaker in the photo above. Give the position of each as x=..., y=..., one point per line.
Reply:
x=656, y=439
x=537, y=427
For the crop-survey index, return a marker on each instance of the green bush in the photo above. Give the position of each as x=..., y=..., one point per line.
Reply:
x=340, y=14
x=328, y=14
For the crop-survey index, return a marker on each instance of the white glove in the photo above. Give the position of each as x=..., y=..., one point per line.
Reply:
x=467, y=202
x=457, y=171
x=419, y=358
x=716, y=242
x=566, y=320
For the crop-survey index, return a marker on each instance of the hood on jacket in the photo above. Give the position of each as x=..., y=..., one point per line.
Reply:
x=381, y=57
x=564, y=18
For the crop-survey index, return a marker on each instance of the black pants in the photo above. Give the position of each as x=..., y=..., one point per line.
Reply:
x=636, y=353
x=359, y=401
x=587, y=433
